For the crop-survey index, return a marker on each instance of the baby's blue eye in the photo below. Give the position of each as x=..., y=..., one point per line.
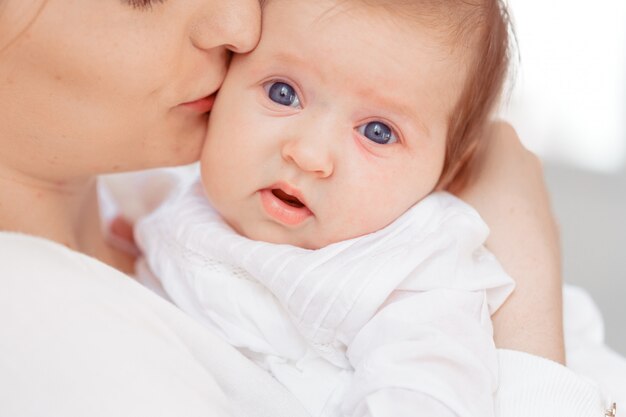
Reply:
x=283, y=94
x=378, y=132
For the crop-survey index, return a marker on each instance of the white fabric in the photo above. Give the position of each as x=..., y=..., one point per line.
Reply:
x=587, y=354
x=80, y=339
x=527, y=388
x=355, y=327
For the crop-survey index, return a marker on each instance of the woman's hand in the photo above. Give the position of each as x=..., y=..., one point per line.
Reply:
x=121, y=236
x=505, y=184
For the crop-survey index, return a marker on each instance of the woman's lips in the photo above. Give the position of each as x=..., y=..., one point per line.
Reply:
x=281, y=211
x=203, y=105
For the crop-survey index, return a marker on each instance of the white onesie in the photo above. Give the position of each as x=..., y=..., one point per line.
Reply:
x=393, y=323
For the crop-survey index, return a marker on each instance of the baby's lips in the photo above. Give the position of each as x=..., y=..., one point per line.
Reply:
x=281, y=211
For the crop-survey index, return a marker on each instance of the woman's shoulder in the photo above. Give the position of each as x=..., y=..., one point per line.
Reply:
x=85, y=332
x=26, y=252
x=26, y=256
x=79, y=334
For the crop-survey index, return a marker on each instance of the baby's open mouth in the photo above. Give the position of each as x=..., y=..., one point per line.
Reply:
x=287, y=209
x=287, y=198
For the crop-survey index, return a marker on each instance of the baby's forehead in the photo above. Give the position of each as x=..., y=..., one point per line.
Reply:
x=452, y=21
x=371, y=27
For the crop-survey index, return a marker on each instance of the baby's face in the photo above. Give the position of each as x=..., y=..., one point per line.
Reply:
x=333, y=127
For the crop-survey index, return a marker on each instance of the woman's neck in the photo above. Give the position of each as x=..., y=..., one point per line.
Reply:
x=67, y=213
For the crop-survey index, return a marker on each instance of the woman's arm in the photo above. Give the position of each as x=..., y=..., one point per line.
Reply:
x=506, y=186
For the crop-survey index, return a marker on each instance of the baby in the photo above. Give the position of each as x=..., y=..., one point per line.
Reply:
x=316, y=243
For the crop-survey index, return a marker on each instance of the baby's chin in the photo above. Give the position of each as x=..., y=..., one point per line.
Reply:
x=284, y=237
x=266, y=231
x=280, y=235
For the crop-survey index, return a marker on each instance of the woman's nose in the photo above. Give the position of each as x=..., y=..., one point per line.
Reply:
x=310, y=155
x=233, y=24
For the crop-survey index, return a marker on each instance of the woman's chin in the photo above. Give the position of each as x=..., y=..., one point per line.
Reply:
x=182, y=154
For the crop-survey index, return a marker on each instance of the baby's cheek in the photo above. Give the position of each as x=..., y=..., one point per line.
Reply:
x=393, y=195
x=368, y=215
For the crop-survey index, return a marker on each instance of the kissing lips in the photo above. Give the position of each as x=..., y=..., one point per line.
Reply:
x=201, y=105
x=283, y=207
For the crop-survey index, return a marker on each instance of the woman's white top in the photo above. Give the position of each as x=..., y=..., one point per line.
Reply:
x=384, y=324
x=78, y=338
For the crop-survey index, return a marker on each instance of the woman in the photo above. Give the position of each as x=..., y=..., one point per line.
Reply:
x=91, y=87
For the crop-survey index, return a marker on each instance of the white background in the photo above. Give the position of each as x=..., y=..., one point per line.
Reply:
x=569, y=105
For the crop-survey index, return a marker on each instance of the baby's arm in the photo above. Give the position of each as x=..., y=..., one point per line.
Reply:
x=506, y=186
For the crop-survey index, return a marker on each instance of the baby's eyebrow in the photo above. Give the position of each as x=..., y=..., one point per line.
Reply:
x=301, y=63
x=290, y=58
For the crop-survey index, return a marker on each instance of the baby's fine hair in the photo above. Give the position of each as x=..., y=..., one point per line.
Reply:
x=487, y=22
